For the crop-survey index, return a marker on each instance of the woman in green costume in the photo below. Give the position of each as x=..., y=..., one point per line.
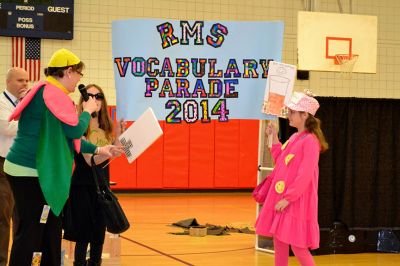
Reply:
x=39, y=164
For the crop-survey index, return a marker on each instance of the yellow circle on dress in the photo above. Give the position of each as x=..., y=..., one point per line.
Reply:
x=280, y=187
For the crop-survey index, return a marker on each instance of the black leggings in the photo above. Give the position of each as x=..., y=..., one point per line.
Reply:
x=32, y=236
x=81, y=249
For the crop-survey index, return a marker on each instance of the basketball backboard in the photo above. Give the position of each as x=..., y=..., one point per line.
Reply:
x=322, y=36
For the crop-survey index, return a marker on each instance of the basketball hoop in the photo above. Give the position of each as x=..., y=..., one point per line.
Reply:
x=346, y=63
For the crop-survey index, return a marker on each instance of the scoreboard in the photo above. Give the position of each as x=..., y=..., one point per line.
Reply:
x=43, y=19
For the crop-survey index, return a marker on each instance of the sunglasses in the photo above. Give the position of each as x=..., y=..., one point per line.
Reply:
x=97, y=95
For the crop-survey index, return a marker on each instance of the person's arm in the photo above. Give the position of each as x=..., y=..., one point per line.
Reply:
x=272, y=132
x=7, y=128
x=276, y=150
x=87, y=149
x=98, y=159
x=76, y=132
x=306, y=171
x=102, y=153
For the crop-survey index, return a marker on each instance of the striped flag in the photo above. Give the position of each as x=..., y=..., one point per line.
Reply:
x=26, y=55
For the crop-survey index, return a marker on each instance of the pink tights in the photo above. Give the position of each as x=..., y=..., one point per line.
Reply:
x=303, y=255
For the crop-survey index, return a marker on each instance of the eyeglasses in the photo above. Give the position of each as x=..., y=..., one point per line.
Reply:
x=80, y=73
x=98, y=95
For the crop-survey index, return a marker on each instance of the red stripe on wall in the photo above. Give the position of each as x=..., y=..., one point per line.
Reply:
x=227, y=154
x=121, y=172
x=12, y=51
x=248, y=161
x=201, y=150
x=176, y=156
x=21, y=53
x=150, y=165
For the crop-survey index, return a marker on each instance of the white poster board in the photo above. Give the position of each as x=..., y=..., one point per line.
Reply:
x=279, y=87
x=140, y=135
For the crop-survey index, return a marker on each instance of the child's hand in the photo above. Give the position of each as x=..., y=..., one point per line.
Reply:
x=271, y=130
x=272, y=134
x=281, y=205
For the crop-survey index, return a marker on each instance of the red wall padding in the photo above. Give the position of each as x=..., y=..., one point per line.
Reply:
x=227, y=154
x=120, y=170
x=123, y=173
x=150, y=165
x=195, y=156
x=248, y=153
x=176, y=156
x=201, y=155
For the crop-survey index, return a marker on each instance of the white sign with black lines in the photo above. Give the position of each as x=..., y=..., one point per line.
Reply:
x=140, y=135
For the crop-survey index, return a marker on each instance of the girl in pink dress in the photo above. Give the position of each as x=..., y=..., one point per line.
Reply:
x=290, y=211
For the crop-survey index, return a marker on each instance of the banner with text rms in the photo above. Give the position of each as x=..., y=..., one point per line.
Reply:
x=190, y=71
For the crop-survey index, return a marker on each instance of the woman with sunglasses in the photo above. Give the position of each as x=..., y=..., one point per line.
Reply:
x=85, y=220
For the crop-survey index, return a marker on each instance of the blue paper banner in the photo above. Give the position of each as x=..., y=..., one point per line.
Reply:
x=190, y=71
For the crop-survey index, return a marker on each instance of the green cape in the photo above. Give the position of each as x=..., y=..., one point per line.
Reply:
x=54, y=161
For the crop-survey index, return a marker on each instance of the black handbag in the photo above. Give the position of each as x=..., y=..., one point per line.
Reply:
x=114, y=217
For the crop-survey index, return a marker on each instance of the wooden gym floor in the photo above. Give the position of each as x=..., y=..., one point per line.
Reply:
x=149, y=242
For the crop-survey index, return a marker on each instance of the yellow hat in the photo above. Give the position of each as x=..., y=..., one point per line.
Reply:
x=63, y=58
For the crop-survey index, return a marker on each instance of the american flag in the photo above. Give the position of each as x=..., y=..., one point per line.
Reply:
x=26, y=54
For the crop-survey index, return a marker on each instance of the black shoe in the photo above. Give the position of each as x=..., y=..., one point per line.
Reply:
x=91, y=263
x=81, y=263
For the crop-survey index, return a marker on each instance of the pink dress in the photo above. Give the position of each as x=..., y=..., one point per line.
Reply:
x=295, y=178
